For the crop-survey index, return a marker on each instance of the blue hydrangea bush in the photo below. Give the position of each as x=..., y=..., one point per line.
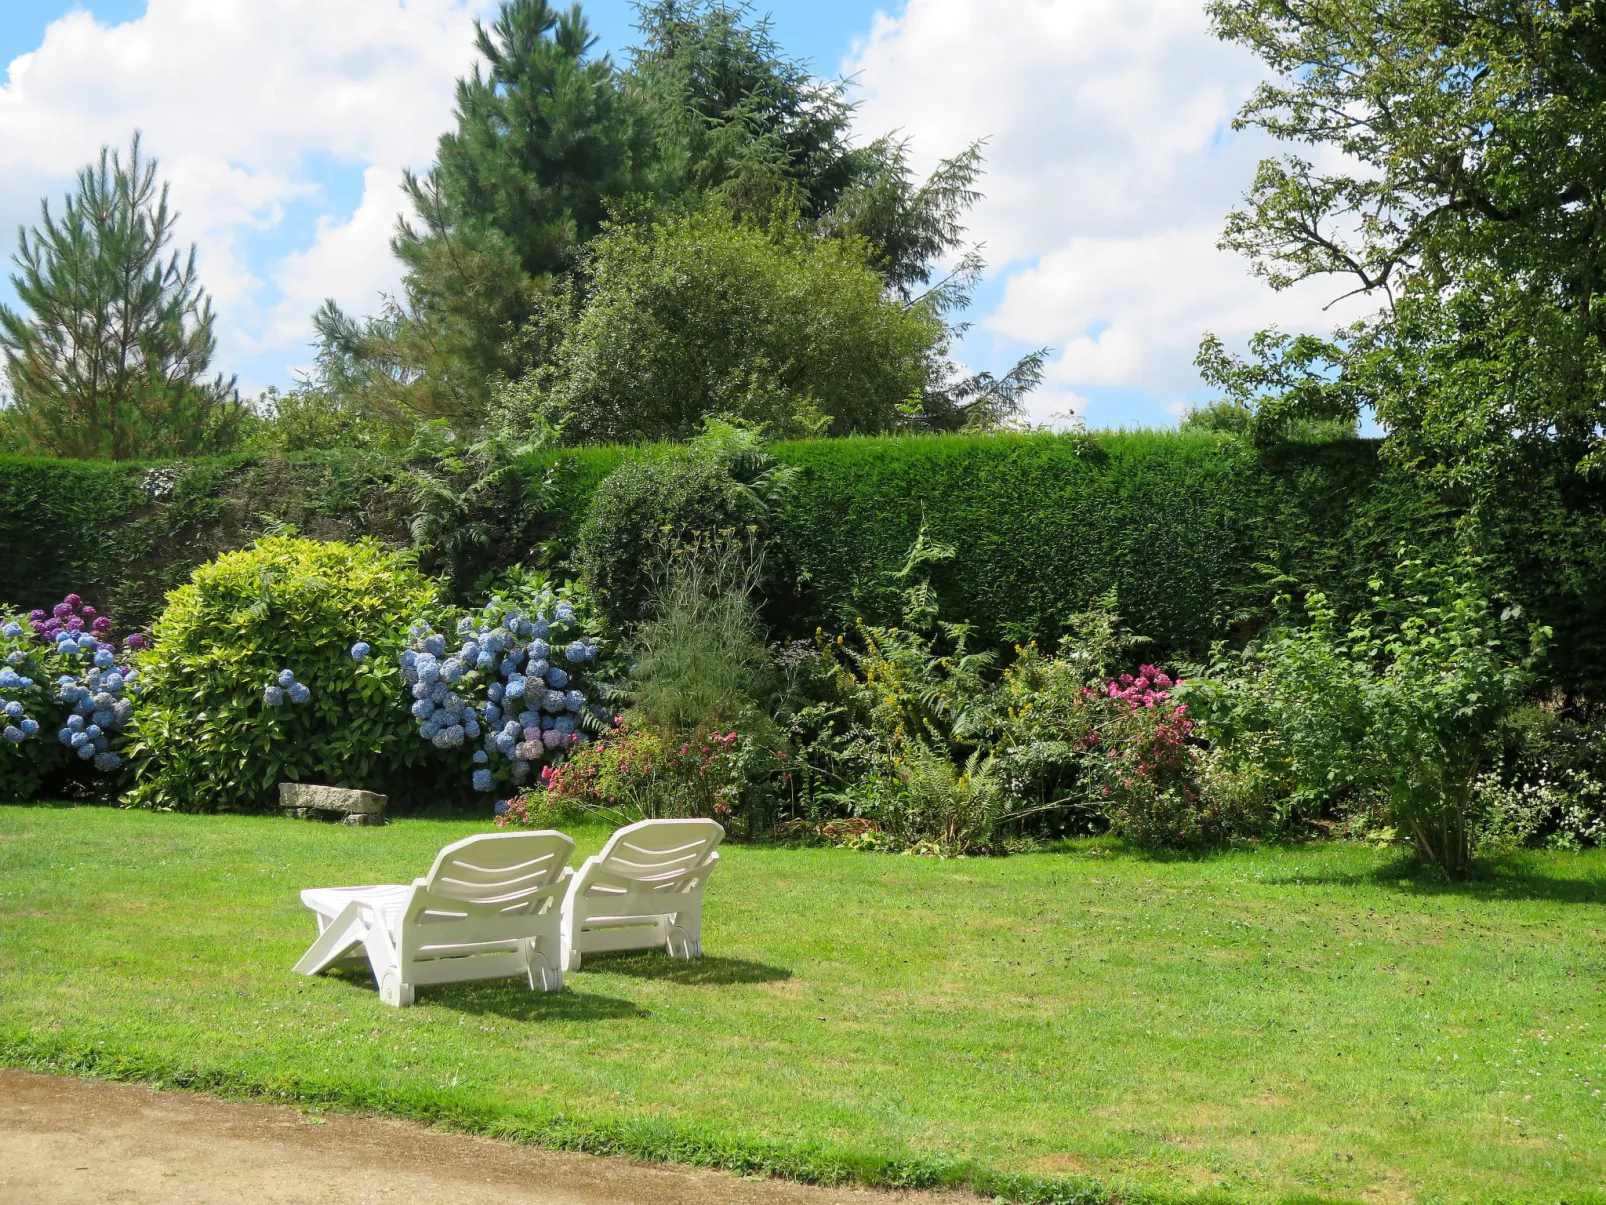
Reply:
x=66, y=701
x=280, y=662
x=508, y=685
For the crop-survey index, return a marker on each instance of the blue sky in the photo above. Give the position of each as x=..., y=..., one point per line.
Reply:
x=284, y=127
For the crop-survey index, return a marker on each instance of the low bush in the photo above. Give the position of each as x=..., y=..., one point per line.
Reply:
x=1398, y=713
x=219, y=725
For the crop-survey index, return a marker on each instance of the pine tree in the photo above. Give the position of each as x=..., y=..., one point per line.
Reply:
x=111, y=362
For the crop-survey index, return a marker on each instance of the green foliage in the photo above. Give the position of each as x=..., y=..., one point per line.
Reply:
x=655, y=504
x=1474, y=208
x=111, y=361
x=1397, y=714
x=206, y=740
x=1195, y=533
x=697, y=315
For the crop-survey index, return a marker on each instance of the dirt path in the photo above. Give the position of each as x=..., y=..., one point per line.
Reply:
x=76, y=1142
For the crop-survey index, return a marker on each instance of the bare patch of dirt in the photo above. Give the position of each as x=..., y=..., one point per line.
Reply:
x=77, y=1142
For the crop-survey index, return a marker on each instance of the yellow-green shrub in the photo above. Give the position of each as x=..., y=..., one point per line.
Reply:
x=205, y=738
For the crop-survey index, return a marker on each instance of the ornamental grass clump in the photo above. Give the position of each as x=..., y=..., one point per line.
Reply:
x=61, y=675
x=255, y=679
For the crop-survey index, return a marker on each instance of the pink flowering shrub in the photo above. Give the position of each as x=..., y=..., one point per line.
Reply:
x=1144, y=764
x=636, y=773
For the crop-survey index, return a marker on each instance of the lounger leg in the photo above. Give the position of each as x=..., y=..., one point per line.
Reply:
x=385, y=959
x=335, y=939
x=686, y=934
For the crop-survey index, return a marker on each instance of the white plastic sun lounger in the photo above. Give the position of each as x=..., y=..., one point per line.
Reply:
x=643, y=891
x=488, y=908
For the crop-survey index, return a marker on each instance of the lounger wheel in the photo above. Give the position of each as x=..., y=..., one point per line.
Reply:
x=544, y=977
x=394, y=992
x=682, y=944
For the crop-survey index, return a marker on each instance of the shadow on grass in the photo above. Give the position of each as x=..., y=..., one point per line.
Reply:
x=699, y=972
x=509, y=998
x=1517, y=876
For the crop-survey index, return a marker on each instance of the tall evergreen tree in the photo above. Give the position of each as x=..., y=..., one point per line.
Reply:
x=111, y=359
x=544, y=139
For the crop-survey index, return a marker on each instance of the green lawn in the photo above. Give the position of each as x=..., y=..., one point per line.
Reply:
x=1288, y=1024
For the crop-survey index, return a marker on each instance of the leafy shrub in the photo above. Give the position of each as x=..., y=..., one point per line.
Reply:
x=654, y=506
x=210, y=736
x=1549, y=787
x=1400, y=712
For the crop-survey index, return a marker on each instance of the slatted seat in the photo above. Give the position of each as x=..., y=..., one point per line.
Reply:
x=643, y=891
x=490, y=907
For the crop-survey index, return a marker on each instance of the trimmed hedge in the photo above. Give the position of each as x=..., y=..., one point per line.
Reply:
x=1191, y=530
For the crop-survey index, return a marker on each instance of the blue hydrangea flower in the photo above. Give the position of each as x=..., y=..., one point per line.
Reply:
x=12, y=629
x=273, y=696
x=471, y=728
x=299, y=693
x=8, y=678
x=554, y=701
x=485, y=660
x=14, y=709
x=108, y=761
x=451, y=670
x=423, y=709
x=65, y=736
x=469, y=653
x=564, y=613
x=435, y=645
x=521, y=770
x=542, y=628
x=30, y=727
x=93, y=732
x=287, y=678
x=575, y=700
x=529, y=718
x=85, y=751
x=409, y=658
x=557, y=678
x=465, y=626
x=103, y=719
x=113, y=683
x=104, y=659
x=360, y=651
x=104, y=700
x=481, y=757
x=124, y=711
x=540, y=650
x=78, y=739
x=13, y=734
x=564, y=724
x=75, y=722
x=537, y=668
x=482, y=782
x=515, y=688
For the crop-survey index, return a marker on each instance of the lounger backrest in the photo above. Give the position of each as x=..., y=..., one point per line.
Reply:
x=660, y=853
x=499, y=869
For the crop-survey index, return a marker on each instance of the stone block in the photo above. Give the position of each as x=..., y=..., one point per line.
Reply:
x=307, y=800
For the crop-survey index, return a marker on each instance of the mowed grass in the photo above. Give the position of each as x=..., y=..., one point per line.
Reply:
x=1285, y=1024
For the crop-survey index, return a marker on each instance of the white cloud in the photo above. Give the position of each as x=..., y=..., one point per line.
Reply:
x=1111, y=166
x=245, y=103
